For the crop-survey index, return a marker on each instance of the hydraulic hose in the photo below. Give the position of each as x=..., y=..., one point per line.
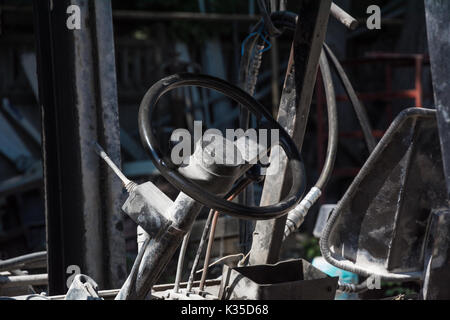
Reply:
x=296, y=217
x=287, y=20
x=357, y=105
x=236, y=189
x=180, y=263
x=353, y=288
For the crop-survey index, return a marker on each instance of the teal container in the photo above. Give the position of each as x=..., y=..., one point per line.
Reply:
x=344, y=276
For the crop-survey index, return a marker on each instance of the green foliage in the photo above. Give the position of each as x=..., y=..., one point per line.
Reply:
x=311, y=248
x=396, y=288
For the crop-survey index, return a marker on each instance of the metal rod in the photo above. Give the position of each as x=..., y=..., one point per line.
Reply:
x=238, y=190
x=110, y=294
x=200, y=250
x=343, y=17
x=99, y=150
x=21, y=261
x=208, y=250
x=127, y=183
x=181, y=261
x=14, y=281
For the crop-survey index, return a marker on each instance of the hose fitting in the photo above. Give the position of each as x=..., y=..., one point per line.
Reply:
x=296, y=216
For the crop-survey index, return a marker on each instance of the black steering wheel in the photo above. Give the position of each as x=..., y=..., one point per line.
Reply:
x=210, y=200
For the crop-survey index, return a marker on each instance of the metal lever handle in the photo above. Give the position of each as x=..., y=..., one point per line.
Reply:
x=127, y=183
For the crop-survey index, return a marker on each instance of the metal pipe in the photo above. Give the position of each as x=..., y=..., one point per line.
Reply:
x=157, y=255
x=296, y=217
x=23, y=280
x=112, y=293
x=181, y=261
x=200, y=249
x=22, y=261
x=208, y=250
x=127, y=183
x=239, y=189
x=343, y=17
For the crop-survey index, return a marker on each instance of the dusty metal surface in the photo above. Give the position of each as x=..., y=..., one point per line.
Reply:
x=78, y=99
x=380, y=225
x=287, y=280
x=168, y=222
x=437, y=251
x=82, y=288
x=307, y=45
x=438, y=30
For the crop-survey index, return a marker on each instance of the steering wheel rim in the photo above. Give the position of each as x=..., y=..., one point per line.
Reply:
x=167, y=168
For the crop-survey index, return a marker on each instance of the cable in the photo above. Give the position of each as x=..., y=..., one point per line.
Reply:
x=208, y=250
x=181, y=261
x=296, y=216
x=215, y=218
x=353, y=288
x=288, y=20
x=357, y=104
x=229, y=257
x=22, y=261
x=238, y=186
x=333, y=127
x=200, y=250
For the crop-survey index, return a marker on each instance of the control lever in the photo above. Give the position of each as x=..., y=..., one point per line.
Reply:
x=127, y=183
x=146, y=204
x=165, y=221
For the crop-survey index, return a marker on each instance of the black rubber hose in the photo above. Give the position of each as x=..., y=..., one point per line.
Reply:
x=296, y=217
x=357, y=105
x=333, y=133
x=287, y=20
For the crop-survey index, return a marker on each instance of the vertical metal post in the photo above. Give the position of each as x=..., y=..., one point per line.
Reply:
x=437, y=271
x=78, y=99
x=438, y=30
x=437, y=275
x=307, y=45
